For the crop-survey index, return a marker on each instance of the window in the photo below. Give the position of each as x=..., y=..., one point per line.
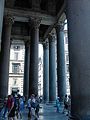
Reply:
x=15, y=67
x=16, y=48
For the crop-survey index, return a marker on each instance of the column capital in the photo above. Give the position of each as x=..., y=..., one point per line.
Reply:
x=60, y=26
x=35, y=22
x=9, y=20
x=46, y=45
x=51, y=37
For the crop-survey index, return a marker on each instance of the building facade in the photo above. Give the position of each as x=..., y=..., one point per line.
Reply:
x=66, y=58
x=16, y=67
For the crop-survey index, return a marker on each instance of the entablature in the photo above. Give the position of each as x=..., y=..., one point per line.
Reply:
x=24, y=16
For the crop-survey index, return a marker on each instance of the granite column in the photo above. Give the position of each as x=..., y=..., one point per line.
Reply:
x=1, y=18
x=33, y=73
x=26, y=69
x=78, y=18
x=52, y=69
x=46, y=72
x=5, y=55
x=61, y=78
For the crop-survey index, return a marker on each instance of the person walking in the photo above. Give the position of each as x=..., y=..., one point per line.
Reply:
x=11, y=108
x=29, y=107
x=65, y=104
x=21, y=107
x=58, y=104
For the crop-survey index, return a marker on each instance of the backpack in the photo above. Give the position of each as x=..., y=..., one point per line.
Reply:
x=33, y=105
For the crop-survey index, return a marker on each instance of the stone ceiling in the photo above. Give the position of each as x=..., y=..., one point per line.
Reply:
x=43, y=5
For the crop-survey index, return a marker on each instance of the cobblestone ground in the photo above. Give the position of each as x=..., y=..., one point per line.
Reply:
x=47, y=112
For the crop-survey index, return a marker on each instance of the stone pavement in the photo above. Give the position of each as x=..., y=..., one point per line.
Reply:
x=47, y=112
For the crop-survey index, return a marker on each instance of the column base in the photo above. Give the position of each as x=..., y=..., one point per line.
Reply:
x=51, y=103
x=45, y=102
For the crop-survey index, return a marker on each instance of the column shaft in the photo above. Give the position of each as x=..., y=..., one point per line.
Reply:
x=4, y=56
x=46, y=72
x=33, y=82
x=61, y=78
x=52, y=69
x=26, y=69
x=1, y=18
x=78, y=18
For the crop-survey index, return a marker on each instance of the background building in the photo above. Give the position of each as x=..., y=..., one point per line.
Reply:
x=66, y=58
x=16, y=67
x=40, y=77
